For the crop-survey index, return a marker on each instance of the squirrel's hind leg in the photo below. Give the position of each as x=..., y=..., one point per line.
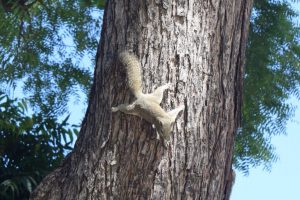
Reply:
x=159, y=93
x=125, y=108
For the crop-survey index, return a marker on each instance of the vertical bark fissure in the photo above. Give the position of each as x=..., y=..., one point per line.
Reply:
x=186, y=150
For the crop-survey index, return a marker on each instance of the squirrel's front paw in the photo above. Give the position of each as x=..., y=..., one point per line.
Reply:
x=114, y=109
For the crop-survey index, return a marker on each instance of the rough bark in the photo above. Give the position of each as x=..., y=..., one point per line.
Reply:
x=199, y=47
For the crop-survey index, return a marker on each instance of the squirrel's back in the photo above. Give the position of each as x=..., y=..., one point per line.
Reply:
x=133, y=70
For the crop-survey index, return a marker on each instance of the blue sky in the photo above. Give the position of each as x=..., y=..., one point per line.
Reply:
x=283, y=181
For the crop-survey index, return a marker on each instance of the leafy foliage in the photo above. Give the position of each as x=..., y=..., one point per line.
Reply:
x=30, y=147
x=42, y=44
x=272, y=76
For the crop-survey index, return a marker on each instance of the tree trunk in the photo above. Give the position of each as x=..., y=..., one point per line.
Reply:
x=199, y=47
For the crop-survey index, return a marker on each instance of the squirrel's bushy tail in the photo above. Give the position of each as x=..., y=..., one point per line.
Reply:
x=133, y=70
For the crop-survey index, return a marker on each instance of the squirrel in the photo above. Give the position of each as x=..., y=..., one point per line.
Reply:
x=146, y=106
